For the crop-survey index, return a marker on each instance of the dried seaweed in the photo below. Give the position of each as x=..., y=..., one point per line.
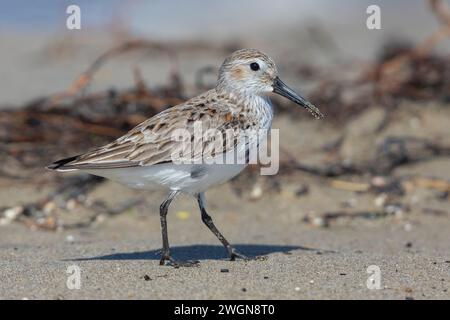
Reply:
x=401, y=72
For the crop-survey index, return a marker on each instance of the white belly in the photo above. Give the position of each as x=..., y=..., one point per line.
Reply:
x=187, y=178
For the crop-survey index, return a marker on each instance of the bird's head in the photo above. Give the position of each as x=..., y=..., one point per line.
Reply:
x=251, y=72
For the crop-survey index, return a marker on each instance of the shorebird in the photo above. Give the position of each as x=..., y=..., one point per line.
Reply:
x=143, y=157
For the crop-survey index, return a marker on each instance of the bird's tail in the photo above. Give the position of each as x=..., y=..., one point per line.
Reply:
x=61, y=165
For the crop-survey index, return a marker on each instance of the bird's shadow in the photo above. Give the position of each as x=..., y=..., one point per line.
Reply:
x=202, y=252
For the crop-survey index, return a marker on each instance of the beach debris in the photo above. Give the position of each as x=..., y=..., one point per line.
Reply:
x=183, y=215
x=302, y=190
x=427, y=183
x=396, y=209
x=349, y=185
x=317, y=221
x=325, y=220
x=408, y=227
x=442, y=195
x=8, y=215
x=45, y=213
x=257, y=192
x=147, y=278
x=349, y=203
x=434, y=212
x=380, y=200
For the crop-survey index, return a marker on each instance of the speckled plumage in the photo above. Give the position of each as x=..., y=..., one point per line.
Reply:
x=151, y=143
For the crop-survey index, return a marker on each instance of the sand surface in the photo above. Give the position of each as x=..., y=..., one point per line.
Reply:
x=304, y=259
x=119, y=258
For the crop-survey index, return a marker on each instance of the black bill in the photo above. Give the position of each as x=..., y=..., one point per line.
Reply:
x=283, y=90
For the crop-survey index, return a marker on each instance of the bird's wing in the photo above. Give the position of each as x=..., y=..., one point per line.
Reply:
x=152, y=142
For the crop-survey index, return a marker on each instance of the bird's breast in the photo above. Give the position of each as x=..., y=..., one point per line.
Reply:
x=262, y=111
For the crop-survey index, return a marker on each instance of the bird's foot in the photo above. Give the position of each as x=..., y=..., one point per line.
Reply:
x=236, y=255
x=167, y=260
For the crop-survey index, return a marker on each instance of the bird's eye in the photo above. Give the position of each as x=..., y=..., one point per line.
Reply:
x=254, y=66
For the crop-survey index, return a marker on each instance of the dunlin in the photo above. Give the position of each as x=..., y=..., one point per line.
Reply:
x=144, y=157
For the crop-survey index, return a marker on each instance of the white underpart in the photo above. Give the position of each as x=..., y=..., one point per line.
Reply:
x=188, y=178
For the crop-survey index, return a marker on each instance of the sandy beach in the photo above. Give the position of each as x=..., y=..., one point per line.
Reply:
x=306, y=258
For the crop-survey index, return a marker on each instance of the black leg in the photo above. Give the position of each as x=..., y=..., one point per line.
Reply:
x=163, y=209
x=207, y=220
x=165, y=255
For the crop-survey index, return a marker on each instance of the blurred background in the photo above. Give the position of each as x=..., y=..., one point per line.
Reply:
x=379, y=161
x=41, y=57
